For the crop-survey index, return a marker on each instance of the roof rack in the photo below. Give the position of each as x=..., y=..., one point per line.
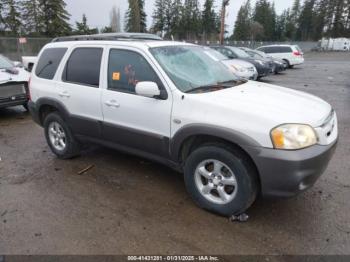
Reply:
x=109, y=37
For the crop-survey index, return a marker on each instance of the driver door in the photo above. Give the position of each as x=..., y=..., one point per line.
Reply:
x=136, y=122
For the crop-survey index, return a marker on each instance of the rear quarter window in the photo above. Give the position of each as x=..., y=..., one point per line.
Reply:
x=83, y=66
x=49, y=61
x=285, y=49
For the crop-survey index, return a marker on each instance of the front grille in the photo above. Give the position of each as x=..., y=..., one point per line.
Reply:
x=12, y=90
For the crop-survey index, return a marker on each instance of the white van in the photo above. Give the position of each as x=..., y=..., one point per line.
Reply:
x=290, y=54
x=173, y=103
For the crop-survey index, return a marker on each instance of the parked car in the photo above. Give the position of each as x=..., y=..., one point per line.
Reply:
x=263, y=68
x=28, y=62
x=173, y=103
x=290, y=54
x=13, y=84
x=277, y=65
x=239, y=67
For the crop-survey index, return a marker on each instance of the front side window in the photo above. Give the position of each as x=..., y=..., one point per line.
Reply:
x=49, y=62
x=126, y=69
x=191, y=68
x=83, y=67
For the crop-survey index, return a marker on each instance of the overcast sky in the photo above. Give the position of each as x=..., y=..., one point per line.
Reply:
x=98, y=11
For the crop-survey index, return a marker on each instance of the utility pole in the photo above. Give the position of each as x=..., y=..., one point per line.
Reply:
x=223, y=16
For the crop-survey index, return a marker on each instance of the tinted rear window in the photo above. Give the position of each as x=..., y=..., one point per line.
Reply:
x=83, y=67
x=49, y=62
x=285, y=49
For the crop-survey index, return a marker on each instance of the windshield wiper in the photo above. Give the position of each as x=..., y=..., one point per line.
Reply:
x=203, y=88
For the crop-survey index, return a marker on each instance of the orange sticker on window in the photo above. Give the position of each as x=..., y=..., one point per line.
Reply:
x=116, y=76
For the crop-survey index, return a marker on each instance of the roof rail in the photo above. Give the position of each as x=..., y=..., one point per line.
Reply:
x=109, y=37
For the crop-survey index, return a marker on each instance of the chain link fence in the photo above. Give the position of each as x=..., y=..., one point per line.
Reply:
x=15, y=49
x=305, y=46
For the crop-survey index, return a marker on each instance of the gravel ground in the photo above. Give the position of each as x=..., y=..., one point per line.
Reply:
x=126, y=205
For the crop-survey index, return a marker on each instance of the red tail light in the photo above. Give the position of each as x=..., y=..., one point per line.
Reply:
x=297, y=53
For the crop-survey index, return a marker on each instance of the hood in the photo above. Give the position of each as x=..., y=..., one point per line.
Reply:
x=7, y=76
x=269, y=105
x=238, y=62
x=255, y=63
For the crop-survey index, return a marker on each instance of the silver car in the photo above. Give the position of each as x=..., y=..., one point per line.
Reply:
x=239, y=67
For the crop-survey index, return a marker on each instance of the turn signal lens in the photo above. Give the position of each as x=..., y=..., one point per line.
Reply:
x=293, y=137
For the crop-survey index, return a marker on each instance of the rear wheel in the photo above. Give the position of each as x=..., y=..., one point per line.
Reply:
x=25, y=106
x=221, y=180
x=60, y=138
x=286, y=63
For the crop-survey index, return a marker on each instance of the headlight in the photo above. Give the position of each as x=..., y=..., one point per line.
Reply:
x=238, y=68
x=260, y=62
x=293, y=137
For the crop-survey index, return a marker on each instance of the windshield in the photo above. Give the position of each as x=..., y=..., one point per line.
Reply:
x=191, y=68
x=5, y=63
x=239, y=52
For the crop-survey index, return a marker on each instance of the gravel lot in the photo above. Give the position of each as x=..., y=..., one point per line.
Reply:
x=126, y=205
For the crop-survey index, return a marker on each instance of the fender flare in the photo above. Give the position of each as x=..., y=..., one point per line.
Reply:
x=227, y=134
x=61, y=108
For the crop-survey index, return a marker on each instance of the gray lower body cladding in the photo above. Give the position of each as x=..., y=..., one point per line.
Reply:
x=282, y=173
x=288, y=173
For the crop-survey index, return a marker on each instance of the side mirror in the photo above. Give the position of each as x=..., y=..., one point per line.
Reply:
x=147, y=89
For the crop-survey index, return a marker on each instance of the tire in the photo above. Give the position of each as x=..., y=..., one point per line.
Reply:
x=287, y=63
x=25, y=106
x=244, y=193
x=291, y=66
x=71, y=146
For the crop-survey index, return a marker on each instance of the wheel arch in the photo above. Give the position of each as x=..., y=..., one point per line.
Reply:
x=45, y=106
x=193, y=135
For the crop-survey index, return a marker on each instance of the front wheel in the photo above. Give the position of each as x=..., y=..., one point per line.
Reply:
x=221, y=180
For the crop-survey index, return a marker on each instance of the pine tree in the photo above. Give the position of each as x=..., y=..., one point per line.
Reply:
x=159, y=17
x=304, y=31
x=135, y=17
x=191, y=19
x=242, y=29
x=319, y=19
x=176, y=12
x=143, y=16
x=55, y=18
x=83, y=28
x=281, y=23
x=12, y=17
x=209, y=20
x=115, y=19
x=31, y=16
x=265, y=15
x=132, y=17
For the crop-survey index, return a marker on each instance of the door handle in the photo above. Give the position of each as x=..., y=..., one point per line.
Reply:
x=64, y=94
x=112, y=103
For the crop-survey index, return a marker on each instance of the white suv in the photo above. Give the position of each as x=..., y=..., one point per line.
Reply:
x=290, y=54
x=173, y=103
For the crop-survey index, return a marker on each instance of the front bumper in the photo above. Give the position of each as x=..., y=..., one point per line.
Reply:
x=288, y=173
x=263, y=71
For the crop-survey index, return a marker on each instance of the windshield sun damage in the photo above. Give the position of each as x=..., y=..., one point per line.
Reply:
x=193, y=70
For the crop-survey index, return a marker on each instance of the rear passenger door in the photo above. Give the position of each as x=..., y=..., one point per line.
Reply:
x=136, y=122
x=80, y=89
